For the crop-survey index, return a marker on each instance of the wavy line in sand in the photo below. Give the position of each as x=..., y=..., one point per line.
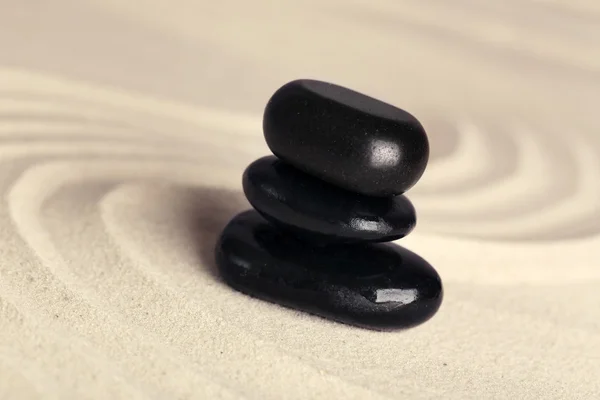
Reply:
x=130, y=282
x=469, y=192
x=82, y=314
x=37, y=234
x=135, y=223
x=535, y=197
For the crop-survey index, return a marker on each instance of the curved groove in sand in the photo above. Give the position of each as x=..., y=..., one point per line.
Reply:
x=199, y=211
x=133, y=277
x=26, y=215
x=29, y=193
x=538, y=199
x=469, y=192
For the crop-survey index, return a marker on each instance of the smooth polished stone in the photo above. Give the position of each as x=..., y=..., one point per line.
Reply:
x=379, y=286
x=321, y=212
x=346, y=138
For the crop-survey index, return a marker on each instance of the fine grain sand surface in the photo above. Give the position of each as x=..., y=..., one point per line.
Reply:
x=124, y=130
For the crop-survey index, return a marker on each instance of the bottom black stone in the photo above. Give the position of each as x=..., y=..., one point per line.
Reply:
x=378, y=286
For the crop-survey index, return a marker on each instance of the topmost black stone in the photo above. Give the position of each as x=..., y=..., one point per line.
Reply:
x=346, y=138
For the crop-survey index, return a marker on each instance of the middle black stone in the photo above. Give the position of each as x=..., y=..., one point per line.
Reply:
x=315, y=210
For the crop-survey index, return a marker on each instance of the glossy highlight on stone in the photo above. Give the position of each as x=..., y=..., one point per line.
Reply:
x=375, y=286
x=320, y=212
x=346, y=138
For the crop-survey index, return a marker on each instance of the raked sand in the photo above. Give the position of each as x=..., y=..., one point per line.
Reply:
x=125, y=127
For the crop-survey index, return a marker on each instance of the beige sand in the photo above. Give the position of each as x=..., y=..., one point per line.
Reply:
x=125, y=126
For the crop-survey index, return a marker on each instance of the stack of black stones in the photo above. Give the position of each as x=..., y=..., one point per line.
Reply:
x=325, y=205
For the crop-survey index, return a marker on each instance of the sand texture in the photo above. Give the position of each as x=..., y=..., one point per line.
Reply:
x=124, y=129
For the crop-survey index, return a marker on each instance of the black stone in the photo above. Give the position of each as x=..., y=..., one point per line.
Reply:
x=376, y=286
x=320, y=212
x=346, y=138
